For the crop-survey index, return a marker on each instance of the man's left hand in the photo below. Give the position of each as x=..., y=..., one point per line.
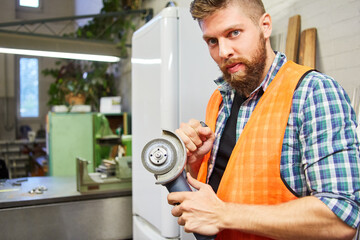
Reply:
x=200, y=211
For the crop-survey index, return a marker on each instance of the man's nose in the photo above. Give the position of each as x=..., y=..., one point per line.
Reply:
x=225, y=49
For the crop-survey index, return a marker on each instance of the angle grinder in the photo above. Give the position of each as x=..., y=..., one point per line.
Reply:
x=165, y=157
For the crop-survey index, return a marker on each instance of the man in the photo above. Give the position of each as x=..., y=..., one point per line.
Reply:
x=280, y=157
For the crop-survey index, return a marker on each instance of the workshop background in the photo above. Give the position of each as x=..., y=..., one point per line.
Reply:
x=337, y=47
x=41, y=148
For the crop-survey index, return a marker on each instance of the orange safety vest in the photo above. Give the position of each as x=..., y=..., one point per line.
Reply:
x=252, y=175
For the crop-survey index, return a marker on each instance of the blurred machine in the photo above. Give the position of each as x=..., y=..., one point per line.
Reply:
x=91, y=147
x=115, y=175
x=90, y=136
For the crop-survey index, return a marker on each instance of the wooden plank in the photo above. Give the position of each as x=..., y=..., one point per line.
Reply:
x=292, y=38
x=307, y=52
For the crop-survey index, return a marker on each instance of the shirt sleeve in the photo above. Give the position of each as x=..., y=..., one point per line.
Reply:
x=330, y=147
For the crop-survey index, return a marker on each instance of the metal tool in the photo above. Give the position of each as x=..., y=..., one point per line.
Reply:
x=165, y=157
x=93, y=182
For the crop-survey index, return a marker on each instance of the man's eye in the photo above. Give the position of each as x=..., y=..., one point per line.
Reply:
x=212, y=41
x=234, y=33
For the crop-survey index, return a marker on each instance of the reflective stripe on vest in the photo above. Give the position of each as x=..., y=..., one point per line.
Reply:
x=252, y=175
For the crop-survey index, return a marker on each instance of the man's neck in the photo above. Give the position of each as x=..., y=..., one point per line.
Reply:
x=269, y=60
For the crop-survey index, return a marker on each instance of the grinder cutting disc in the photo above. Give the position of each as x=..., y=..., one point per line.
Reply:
x=165, y=157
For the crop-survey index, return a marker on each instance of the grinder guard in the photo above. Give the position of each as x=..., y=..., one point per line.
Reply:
x=165, y=157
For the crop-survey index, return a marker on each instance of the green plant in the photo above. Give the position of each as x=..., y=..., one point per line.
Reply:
x=89, y=79
x=101, y=82
x=92, y=79
x=115, y=28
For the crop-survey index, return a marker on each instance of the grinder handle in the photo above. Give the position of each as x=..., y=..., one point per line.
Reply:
x=181, y=185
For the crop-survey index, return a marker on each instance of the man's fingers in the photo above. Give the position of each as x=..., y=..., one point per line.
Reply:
x=192, y=132
x=193, y=182
x=205, y=132
x=176, y=211
x=189, y=144
x=175, y=198
x=189, y=136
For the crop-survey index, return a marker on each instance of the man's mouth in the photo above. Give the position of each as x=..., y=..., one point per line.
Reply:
x=233, y=68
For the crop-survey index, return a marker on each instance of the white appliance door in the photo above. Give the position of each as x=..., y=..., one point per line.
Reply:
x=142, y=230
x=155, y=107
x=197, y=69
x=172, y=80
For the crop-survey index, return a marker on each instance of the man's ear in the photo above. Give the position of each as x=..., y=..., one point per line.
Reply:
x=265, y=24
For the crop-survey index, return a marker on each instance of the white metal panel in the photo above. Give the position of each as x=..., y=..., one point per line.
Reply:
x=168, y=48
x=197, y=69
x=169, y=103
x=107, y=218
x=154, y=84
x=145, y=231
x=146, y=64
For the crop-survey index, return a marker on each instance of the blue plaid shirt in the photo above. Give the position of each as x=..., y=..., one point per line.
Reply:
x=320, y=152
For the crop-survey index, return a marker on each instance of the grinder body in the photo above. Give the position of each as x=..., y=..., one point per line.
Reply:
x=165, y=157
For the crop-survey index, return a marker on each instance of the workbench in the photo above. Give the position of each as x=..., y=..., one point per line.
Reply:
x=60, y=212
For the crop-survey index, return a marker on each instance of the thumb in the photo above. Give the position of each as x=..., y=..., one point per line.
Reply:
x=205, y=132
x=193, y=182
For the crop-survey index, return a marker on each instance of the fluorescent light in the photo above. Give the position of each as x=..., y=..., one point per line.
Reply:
x=67, y=55
x=56, y=47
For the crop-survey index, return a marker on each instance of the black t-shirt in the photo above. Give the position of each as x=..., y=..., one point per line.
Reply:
x=227, y=143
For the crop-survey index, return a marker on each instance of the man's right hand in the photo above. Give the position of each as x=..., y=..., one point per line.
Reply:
x=198, y=141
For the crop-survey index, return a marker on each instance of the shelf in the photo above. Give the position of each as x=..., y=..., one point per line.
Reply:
x=10, y=150
x=18, y=158
x=18, y=165
x=16, y=154
x=21, y=142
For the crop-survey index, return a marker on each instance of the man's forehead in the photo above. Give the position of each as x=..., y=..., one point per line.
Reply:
x=223, y=20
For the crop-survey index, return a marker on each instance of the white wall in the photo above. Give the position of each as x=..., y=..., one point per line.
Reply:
x=92, y=7
x=338, y=34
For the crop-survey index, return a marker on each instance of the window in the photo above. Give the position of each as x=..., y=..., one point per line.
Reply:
x=29, y=87
x=29, y=3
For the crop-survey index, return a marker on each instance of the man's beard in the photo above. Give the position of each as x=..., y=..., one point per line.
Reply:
x=245, y=82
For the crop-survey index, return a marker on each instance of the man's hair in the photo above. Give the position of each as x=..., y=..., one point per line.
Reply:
x=201, y=9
